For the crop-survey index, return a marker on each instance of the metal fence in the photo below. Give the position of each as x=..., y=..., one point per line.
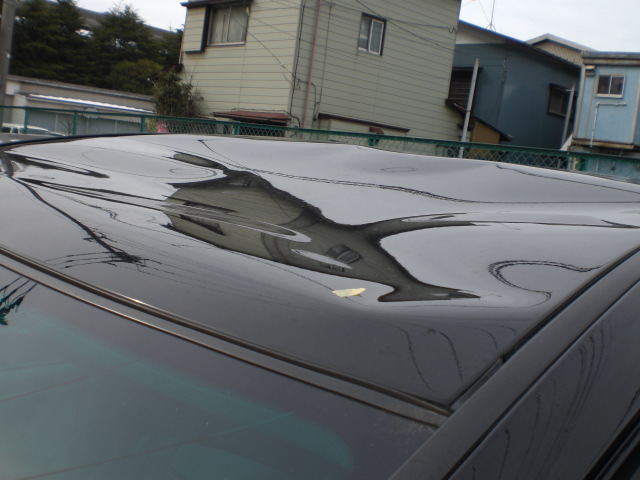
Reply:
x=75, y=122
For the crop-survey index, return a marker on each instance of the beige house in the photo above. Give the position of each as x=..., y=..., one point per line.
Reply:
x=365, y=66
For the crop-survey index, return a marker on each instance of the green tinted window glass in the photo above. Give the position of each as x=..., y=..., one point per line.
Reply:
x=88, y=394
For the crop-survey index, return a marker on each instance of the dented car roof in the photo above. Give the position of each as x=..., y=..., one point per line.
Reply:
x=409, y=275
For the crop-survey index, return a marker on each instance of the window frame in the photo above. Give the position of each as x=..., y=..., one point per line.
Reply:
x=371, y=20
x=561, y=95
x=611, y=77
x=215, y=10
x=460, y=86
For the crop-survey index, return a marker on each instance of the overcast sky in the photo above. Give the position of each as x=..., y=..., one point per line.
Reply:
x=607, y=25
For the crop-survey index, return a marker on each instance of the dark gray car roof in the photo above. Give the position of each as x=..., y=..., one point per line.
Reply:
x=406, y=273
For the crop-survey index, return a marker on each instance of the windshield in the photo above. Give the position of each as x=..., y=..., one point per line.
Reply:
x=88, y=394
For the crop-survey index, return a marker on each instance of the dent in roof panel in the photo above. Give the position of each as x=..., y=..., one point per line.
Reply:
x=458, y=259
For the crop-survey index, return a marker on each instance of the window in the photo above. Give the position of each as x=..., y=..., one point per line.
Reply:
x=371, y=34
x=558, y=100
x=95, y=395
x=229, y=25
x=610, y=85
x=460, y=86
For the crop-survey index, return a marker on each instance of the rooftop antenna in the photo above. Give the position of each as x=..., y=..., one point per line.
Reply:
x=491, y=25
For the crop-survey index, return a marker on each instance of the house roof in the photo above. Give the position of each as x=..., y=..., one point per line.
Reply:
x=87, y=103
x=500, y=38
x=377, y=125
x=42, y=83
x=560, y=47
x=40, y=90
x=548, y=37
x=279, y=118
x=608, y=58
x=460, y=109
x=204, y=3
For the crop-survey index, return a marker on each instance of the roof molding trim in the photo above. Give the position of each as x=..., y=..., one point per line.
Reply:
x=330, y=116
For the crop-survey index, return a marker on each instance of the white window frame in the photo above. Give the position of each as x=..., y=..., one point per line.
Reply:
x=369, y=22
x=611, y=77
x=222, y=10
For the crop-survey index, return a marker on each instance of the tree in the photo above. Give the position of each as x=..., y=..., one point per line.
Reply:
x=133, y=76
x=169, y=48
x=173, y=97
x=50, y=41
x=121, y=36
x=121, y=41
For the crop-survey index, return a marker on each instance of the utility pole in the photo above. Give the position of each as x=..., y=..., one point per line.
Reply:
x=6, y=34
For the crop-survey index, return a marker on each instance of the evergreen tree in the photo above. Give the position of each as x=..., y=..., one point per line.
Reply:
x=133, y=76
x=169, y=48
x=122, y=36
x=74, y=46
x=50, y=42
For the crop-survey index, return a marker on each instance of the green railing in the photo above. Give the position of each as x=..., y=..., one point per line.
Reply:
x=74, y=122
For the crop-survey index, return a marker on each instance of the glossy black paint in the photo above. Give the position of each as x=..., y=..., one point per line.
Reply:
x=502, y=393
x=577, y=409
x=460, y=260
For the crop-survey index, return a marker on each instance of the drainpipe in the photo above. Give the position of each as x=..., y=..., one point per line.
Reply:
x=567, y=116
x=467, y=115
x=310, y=73
x=577, y=124
x=595, y=117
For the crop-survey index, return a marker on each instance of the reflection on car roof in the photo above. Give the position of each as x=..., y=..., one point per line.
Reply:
x=408, y=273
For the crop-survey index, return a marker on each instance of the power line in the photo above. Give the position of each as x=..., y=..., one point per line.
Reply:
x=385, y=71
x=482, y=9
x=339, y=19
x=397, y=20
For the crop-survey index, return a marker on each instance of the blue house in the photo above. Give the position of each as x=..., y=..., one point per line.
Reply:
x=608, y=111
x=521, y=91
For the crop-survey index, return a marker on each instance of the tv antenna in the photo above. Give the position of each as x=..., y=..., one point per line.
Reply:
x=491, y=25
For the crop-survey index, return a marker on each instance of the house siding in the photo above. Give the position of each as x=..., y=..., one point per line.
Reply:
x=404, y=87
x=617, y=117
x=513, y=88
x=193, y=30
x=254, y=76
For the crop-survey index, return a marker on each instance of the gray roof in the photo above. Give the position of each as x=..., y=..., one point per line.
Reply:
x=548, y=37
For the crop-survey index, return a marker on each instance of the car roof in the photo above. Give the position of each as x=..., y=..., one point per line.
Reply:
x=403, y=273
